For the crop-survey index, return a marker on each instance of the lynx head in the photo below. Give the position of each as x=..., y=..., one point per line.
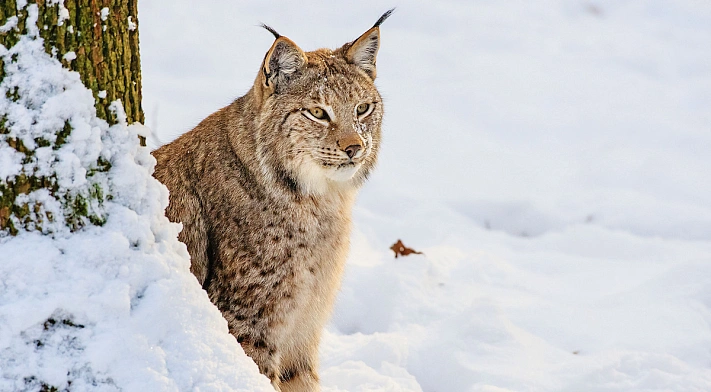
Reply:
x=319, y=113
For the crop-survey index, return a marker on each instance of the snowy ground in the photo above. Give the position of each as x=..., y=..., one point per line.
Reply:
x=550, y=158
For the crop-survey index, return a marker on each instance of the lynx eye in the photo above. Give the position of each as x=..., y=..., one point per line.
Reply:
x=362, y=108
x=318, y=113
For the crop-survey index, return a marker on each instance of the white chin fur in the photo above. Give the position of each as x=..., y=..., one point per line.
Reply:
x=342, y=174
x=316, y=179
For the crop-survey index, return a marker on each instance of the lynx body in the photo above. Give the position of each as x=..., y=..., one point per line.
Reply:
x=264, y=189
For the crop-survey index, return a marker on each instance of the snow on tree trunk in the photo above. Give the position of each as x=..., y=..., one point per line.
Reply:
x=96, y=38
x=99, y=40
x=95, y=289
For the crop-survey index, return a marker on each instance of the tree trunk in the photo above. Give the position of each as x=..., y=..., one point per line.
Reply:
x=99, y=40
x=103, y=36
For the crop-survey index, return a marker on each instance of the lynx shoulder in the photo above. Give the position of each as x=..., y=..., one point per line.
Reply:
x=264, y=189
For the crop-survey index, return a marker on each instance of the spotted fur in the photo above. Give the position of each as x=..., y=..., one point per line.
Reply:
x=264, y=190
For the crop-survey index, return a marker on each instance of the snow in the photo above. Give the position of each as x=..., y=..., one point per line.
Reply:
x=10, y=24
x=104, y=13
x=69, y=56
x=550, y=160
x=107, y=308
x=131, y=24
x=62, y=11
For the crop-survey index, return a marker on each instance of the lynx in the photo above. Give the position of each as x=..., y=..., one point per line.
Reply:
x=264, y=189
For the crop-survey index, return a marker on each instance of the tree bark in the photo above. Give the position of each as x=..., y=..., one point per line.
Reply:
x=99, y=40
x=103, y=34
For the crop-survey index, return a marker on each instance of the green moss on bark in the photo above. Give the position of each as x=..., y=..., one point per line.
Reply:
x=107, y=51
x=106, y=56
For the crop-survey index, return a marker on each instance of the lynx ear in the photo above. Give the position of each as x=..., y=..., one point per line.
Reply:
x=363, y=51
x=282, y=61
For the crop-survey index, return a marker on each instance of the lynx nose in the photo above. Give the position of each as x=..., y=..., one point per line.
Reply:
x=350, y=143
x=352, y=150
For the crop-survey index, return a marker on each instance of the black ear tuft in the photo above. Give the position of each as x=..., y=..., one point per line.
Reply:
x=363, y=51
x=271, y=30
x=383, y=17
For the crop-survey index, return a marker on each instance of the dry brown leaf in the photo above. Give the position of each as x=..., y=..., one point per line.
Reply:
x=401, y=250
